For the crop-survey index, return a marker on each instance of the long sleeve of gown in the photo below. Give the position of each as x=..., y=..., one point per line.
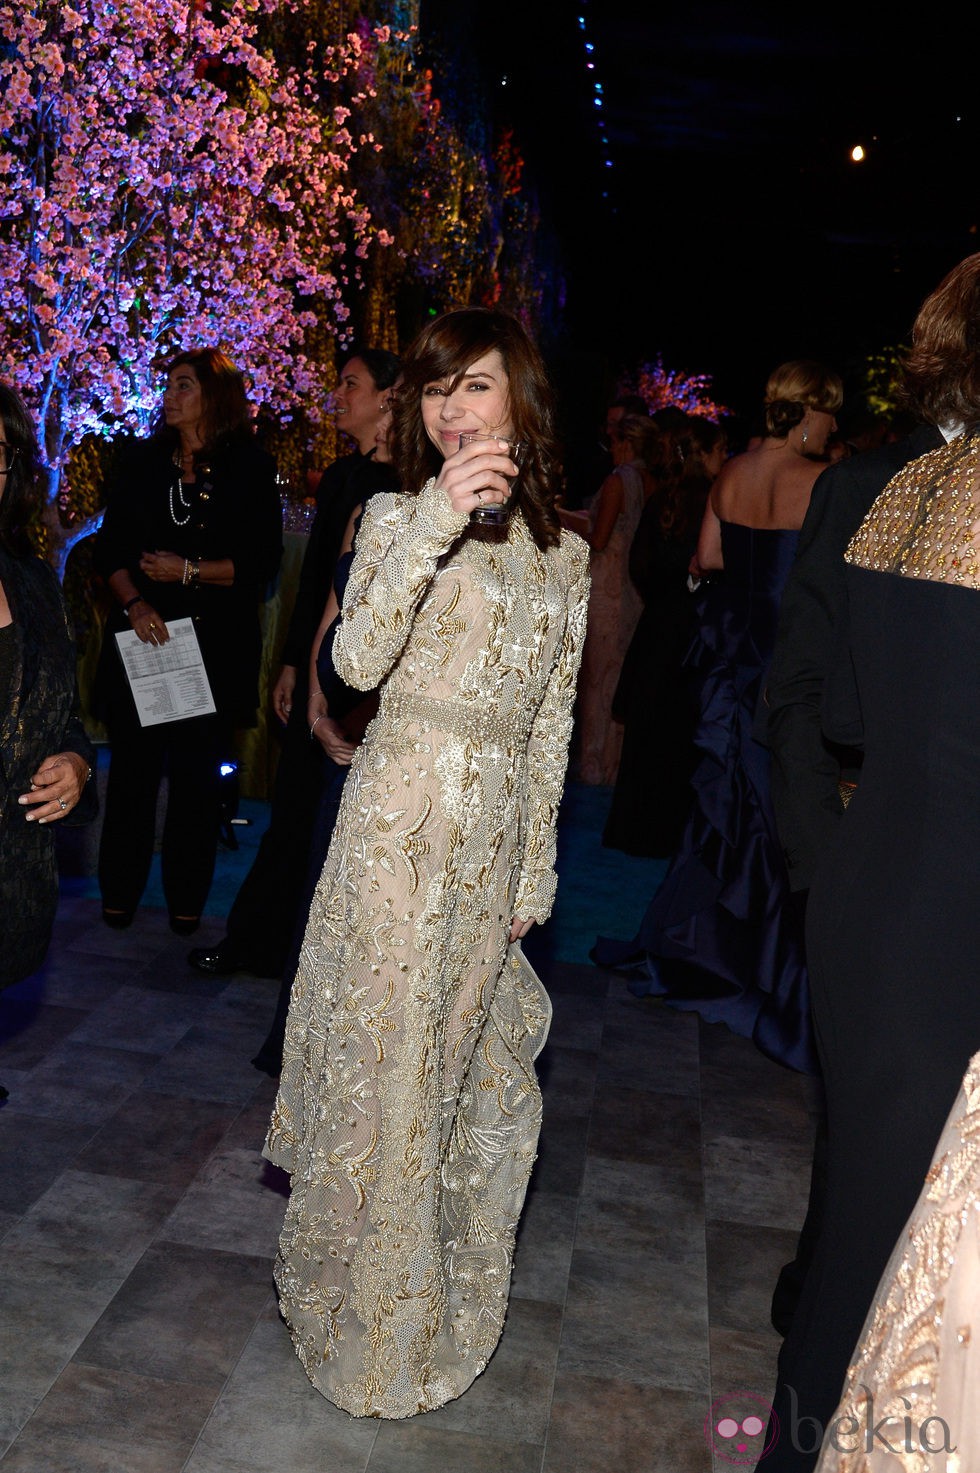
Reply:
x=399, y=545
x=548, y=754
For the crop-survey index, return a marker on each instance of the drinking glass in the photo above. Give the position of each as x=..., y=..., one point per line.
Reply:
x=495, y=514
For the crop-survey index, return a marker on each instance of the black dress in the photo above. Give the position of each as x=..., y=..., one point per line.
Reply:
x=654, y=698
x=722, y=935
x=893, y=936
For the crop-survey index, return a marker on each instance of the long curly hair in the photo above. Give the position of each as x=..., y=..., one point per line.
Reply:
x=20, y=501
x=441, y=353
x=795, y=387
x=941, y=372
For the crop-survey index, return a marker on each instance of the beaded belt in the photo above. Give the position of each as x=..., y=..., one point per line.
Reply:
x=456, y=717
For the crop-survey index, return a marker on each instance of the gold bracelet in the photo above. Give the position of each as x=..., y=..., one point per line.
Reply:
x=321, y=717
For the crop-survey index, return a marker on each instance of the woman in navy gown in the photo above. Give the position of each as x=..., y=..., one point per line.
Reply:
x=722, y=935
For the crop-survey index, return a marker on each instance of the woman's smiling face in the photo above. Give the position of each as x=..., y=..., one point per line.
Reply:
x=478, y=404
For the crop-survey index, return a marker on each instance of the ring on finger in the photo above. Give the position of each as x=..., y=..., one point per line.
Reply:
x=62, y=805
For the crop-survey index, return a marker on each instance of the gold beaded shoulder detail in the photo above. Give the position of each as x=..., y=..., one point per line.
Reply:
x=926, y=522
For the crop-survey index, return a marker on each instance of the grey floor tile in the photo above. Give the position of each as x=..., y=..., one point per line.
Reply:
x=82, y=1082
x=420, y=1447
x=34, y=1151
x=91, y=1227
x=41, y=1327
x=744, y=1261
x=29, y=1028
x=230, y=1206
x=545, y=1237
x=625, y=1208
x=201, y=1066
x=163, y=1019
x=752, y=1180
x=647, y=1127
x=567, y=1080
x=577, y=1022
x=269, y=1416
x=602, y=1423
x=183, y=1315
x=561, y=1153
x=638, y=1317
x=743, y=1362
x=158, y=1137
x=98, y=1421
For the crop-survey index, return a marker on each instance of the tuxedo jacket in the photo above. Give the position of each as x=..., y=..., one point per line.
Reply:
x=806, y=768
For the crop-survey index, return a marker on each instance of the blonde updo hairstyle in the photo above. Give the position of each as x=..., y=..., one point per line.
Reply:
x=795, y=387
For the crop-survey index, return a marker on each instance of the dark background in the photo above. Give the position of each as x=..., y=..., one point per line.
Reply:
x=722, y=224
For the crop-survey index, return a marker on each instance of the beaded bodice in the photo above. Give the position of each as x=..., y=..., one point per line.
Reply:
x=926, y=522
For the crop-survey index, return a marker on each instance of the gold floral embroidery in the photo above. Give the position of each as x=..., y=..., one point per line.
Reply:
x=408, y=1110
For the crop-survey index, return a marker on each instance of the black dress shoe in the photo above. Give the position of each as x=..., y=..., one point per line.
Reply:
x=216, y=961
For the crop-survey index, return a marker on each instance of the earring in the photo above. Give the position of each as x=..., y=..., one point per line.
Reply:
x=803, y=443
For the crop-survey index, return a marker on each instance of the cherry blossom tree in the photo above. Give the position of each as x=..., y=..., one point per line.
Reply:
x=167, y=180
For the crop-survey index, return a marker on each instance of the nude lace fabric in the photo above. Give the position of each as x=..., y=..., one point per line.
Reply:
x=917, y=1361
x=408, y=1110
x=925, y=523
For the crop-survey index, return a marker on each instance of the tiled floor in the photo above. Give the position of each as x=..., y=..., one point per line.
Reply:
x=138, y=1327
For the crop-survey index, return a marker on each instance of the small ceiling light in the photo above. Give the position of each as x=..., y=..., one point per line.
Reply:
x=857, y=154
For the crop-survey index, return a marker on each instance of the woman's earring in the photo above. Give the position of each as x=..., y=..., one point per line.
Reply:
x=803, y=444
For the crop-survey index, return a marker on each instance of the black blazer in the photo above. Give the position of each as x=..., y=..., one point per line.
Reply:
x=235, y=513
x=40, y=719
x=806, y=768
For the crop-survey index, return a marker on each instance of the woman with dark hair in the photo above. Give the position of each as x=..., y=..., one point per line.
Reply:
x=264, y=913
x=408, y=1109
x=45, y=756
x=653, y=699
x=722, y=935
x=192, y=529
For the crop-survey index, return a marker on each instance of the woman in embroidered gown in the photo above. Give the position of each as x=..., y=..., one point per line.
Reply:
x=893, y=925
x=408, y=1109
x=720, y=936
x=614, y=603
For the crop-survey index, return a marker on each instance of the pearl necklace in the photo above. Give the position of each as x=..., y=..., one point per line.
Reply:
x=177, y=497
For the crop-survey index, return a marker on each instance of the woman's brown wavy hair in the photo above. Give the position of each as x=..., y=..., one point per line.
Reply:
x=941, y=373
x=442, y=352
x=225, y=403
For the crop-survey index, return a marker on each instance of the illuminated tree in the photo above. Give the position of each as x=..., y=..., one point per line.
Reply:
x=659, y=387
x=165, y=180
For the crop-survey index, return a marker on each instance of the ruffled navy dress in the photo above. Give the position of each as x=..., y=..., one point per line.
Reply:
x=723, y=936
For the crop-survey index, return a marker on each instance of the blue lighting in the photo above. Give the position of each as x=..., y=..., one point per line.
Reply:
x=228, y=768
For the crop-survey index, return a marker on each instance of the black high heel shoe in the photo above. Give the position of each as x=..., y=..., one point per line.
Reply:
x=184, y=925
x=117, y=919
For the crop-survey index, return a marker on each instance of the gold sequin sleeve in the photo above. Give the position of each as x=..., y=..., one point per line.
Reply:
x=548, y=747
x=398, y=548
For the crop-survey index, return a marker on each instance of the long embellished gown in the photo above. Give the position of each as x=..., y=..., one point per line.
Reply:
x=893, y=936
x=408, y=1110
x=722, y=935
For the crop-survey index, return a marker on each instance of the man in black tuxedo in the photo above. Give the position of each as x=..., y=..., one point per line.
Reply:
x=807, y=772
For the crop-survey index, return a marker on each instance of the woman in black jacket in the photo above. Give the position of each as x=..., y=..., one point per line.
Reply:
x=192, y=529
x=45, y=756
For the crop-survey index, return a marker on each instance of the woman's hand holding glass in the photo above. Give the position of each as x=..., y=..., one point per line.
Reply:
x=480, y=473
